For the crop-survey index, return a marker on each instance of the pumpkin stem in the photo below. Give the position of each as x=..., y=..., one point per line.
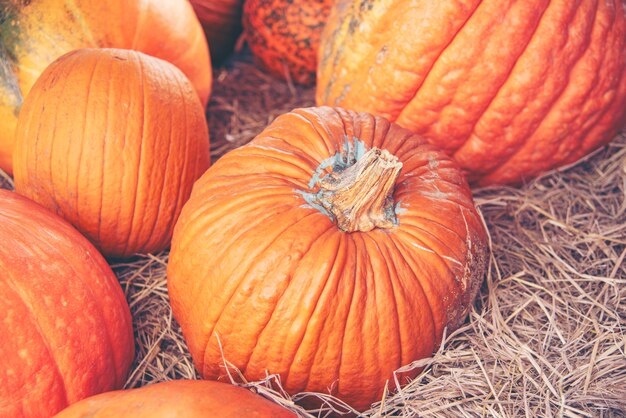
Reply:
x=360, y=197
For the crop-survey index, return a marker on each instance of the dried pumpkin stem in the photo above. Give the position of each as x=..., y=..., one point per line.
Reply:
x=360, y=197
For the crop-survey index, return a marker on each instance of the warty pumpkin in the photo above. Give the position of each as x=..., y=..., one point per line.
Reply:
x=177, y=399
x=333, y=249
x=34, y=33
x=66, y=328
x=221, y=21
x=284, y=35
x=509, y=88
x=112, y=140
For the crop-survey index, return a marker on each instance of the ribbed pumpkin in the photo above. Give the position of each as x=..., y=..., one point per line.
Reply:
x=332, y=249
x=178, y=399
x=66, y=328
x=34, y=33
x=221, y=21
x=509, y=88
x=112, y=140
x=284, y=35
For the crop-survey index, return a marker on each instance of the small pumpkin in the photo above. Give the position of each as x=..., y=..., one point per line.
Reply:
x=509, y=88
x=284, y=35
x=178, y=398
x=333, y=249
x=221, y=21
x=112, y=140
x=34, y=33
x=66, y=328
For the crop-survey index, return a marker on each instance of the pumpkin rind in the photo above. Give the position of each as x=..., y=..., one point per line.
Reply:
x=511, y=88
x=178, y=398
x=35, y=33
x=221, y=21
x=255, y=264
x=112, y=140
x=66, y=328
x=284, y=35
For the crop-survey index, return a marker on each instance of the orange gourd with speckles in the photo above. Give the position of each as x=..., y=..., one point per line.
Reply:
x=509, y=88
x=112, y=140
x=332, y=249
x=284, y=35
x=66, y=328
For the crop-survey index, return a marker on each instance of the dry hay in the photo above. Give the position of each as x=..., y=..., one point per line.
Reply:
x=547, y=336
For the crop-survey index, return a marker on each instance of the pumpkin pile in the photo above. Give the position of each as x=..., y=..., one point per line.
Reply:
x=337, y=246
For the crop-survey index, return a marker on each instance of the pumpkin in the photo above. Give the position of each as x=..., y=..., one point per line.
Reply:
x=112, y=140
x=66, y=328
x=34, y=33
x=178, y=398
x=509, y=88
x=284, y=35
x=221, y=21
x=333, y=249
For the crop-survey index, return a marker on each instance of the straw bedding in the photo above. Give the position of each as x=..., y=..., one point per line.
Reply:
x=547, y=336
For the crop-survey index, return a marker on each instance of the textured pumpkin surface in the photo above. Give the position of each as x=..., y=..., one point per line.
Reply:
x=221, y=21
x=284, y=35
x=258, y=264
x=66, y=328
x=34, y=33
x=178, y=398
x=112, y=140
x=510, y=88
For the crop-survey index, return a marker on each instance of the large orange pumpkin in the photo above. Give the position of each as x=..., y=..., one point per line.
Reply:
x=112, y=140
x=332, y=249
x=34, y=33
x=221, y=21
x=66, y=330
x=178, y=399
x=510, y=88
x=284, y=35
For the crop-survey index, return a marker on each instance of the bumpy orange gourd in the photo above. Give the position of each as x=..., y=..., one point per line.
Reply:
x=178, y=399
x=112, y=140
x=66, y=328
x=284, y=35
x=34, y=33
x=332, y=250
x=221, y=21
x=509, y=88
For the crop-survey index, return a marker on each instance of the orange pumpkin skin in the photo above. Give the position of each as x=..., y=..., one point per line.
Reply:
x=284, y=35
x=510, y=89
x=36, y=32
x=178, y=398
x=221, y=21
x=112, y=140
x=254, y=263
x=66, y=328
